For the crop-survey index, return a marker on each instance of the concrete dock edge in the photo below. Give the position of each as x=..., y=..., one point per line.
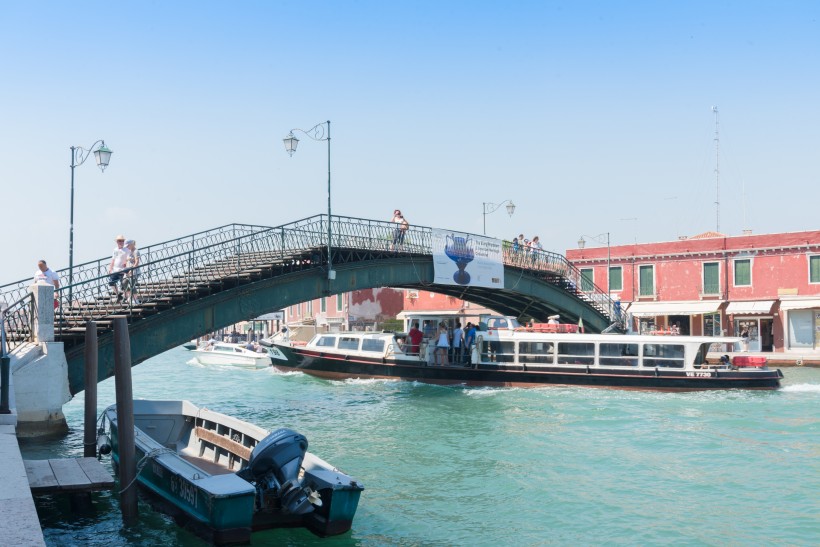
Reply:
x=19, y=525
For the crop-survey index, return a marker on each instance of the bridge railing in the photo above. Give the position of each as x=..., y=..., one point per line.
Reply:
x=94, y=269
x=558, y=270
x=189, y=264
x=18, y=325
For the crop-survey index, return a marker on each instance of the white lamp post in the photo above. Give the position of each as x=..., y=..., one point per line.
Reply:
x=600, y=239
x=492, y=207
x=317, y=133
x=78, y=156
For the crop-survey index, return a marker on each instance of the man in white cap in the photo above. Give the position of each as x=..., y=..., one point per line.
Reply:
x=119, y=259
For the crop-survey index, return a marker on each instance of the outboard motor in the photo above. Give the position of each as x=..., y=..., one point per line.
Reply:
x=274, y=468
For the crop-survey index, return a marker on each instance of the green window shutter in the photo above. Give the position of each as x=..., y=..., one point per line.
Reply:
x=814, y=269
x=616, y=279
x=647, y=283
x=743, y=273
x=711, y=278
x=586, y=279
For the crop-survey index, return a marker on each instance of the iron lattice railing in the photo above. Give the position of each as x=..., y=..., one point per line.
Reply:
x=17, y=327
x=188, y=267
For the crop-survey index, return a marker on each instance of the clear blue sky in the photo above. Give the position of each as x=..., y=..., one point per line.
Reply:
x=592, y=117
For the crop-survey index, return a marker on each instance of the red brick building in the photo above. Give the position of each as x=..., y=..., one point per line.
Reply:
x=355, y=310
x=767, y=285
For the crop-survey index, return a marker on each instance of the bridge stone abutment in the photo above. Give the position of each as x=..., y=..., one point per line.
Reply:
x=39, y=373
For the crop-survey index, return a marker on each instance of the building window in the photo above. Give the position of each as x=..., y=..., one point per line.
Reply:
x=711, y=324
x=646, y=278
x=743, y=273
x=339, y=302
x=814, y=269
x=586, y=279
x=711, y=278
x=323, y=304
x=801, y=333
x=310, y=307
x=616, y=278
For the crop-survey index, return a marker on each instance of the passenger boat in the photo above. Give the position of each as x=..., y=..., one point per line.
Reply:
x=224, y=353
x=536, y=356
x=227, y=477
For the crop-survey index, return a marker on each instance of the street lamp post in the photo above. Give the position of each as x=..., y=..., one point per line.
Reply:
x=317, y=133
x=78, y=156
x=492, y=207
x=600, y=239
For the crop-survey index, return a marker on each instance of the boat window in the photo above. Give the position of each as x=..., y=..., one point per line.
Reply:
x=536, y=352
x=576, y=353
x=373, y=344
x=498, y=352
x=700, y=356
x=663, y=355
x=326, y=341
x=348, y=342
x=496, y=323
x=619, y=355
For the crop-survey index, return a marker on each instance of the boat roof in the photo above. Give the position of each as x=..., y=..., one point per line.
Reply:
x=616, y=338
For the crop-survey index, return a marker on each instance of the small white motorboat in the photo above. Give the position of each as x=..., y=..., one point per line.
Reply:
x=224, y=353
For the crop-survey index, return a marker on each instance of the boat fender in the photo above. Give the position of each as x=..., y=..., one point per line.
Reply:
x=587, y=369
x=656, y=372
x=103, y=445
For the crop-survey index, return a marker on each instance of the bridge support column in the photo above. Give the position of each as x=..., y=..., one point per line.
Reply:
x=44, y=302
x=41, y=389
x=40, y=374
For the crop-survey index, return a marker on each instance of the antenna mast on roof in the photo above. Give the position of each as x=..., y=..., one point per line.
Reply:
x=717, y=167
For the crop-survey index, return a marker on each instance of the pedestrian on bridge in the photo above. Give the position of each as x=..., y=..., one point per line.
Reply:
x=46, y=275
x=119, y=260
x=131, y=272
x=400, y=230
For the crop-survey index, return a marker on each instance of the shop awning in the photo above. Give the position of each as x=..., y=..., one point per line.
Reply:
x=653, y=309
x=754, y=306
x=804, y=304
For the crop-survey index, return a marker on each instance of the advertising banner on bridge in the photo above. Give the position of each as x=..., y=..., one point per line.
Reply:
x=468, y=260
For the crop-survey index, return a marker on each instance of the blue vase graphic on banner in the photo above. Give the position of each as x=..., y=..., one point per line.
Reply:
x=460, y=250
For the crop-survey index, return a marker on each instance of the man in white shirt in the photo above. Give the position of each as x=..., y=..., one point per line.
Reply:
x=119, y=259
x=44, y=274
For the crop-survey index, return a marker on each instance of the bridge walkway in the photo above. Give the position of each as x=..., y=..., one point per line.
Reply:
x=176, y=275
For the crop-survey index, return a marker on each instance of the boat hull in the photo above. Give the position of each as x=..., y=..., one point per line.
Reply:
x=193, y=456
x=333, y=366
x=222, y=518
x=213, y=358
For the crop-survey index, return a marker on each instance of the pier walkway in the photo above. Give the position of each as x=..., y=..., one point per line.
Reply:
x=19, y=525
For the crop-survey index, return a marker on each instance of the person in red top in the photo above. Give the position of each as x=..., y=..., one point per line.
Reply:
x=415, y=336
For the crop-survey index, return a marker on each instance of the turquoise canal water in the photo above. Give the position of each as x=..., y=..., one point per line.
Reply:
x=481, y=466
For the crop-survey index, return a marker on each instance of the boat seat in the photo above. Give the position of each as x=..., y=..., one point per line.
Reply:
x=240, y=450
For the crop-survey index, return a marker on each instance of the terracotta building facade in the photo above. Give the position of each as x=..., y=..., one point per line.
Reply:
x=766, y=286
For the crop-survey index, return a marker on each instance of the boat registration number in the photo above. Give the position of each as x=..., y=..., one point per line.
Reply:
x=699, y=374
x=184, y=490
